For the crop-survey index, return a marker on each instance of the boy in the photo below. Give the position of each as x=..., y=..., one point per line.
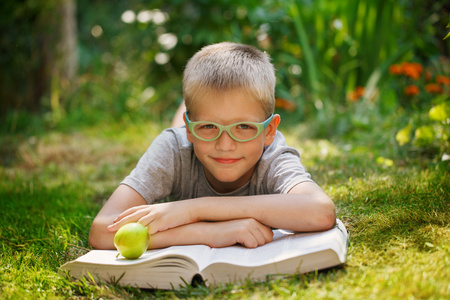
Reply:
x=230, y=167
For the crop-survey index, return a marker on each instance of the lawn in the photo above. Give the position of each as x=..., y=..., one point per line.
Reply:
x=395, y=208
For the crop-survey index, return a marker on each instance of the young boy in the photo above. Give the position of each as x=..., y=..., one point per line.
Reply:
x=230, y=167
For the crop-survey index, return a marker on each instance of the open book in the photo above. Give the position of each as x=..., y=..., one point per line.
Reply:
x=172, y=267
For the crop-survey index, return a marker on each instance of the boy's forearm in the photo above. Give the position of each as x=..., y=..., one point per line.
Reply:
x=247, y=232
x=190, y=234
x=297, y=211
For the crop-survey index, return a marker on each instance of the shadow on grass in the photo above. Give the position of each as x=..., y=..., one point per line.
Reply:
x=407, y=209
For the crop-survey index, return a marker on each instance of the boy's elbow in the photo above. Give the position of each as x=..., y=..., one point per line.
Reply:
x=94, y=240
x=99, y=238
x=328, y=215
x=323, y=216
x=329, y=221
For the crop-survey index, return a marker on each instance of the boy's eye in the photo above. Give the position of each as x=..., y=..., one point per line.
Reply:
x=208, y=126
x=245, y=126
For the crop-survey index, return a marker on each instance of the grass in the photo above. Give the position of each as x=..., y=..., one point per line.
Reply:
x=53, y=183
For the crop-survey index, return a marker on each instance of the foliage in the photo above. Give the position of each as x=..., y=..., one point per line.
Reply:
x=132, y=54
x=36, y=74
x=56, y=182
x=424, y=96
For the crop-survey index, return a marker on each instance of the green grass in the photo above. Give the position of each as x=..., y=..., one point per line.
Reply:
x=53, y=183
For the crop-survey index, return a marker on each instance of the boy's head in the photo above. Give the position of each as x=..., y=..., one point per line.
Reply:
x=228, y=90
x=226, y=67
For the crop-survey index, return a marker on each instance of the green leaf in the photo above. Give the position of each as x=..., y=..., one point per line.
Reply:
x=385, y=161
x=440, y=112
x=403, y=136
x=424, y=135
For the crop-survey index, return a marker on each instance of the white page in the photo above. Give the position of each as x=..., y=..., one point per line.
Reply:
x=108, y=257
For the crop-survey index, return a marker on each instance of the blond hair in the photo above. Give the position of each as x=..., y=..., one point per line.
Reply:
x=229, y=66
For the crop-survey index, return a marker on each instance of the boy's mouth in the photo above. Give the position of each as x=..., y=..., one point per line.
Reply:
x=226, y=161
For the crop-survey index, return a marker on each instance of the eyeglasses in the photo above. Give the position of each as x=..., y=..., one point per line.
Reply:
x=240, y=132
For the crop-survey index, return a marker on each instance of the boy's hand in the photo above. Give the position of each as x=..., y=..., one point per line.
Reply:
x=247, y=232
x=158, y=217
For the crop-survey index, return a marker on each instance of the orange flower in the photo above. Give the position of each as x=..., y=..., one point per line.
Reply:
x=412, y=70
x=433, y=88
x=356, y=94
x=443, y=79
x=412, y=90
x=395, y=69
x=285, y=104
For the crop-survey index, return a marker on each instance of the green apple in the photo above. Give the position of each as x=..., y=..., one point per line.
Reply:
x=131, y=240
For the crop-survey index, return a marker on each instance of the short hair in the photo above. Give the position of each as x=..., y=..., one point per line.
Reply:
x=228, y=66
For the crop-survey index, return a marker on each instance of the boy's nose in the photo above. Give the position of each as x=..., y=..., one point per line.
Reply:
x=225, y=142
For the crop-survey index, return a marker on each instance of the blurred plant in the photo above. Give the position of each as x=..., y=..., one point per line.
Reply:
x=356, y=95
x=448, y=33
x=321, y=49
x=285, y=104
x=331, y=57
x=334, y=62
x=416, y=87
x=425, y=98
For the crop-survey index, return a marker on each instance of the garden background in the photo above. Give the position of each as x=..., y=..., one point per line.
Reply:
x=363, y=90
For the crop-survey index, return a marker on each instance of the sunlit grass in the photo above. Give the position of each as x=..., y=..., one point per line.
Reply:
x=54, y=183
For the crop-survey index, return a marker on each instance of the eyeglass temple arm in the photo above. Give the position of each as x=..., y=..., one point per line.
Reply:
x=267, y=122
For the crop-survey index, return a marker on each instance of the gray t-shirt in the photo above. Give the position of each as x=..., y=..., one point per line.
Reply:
x=169, y=167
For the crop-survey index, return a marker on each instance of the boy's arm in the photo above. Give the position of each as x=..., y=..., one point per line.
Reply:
x=248, y=232
x=316, y=211
x=123, y=198
x=305, y=208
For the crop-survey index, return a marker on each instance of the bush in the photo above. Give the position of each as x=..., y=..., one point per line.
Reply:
x=424, y=96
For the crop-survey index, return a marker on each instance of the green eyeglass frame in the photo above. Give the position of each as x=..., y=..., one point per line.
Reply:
x=259, y=126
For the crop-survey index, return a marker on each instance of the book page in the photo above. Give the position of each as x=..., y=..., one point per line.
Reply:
x=109, y=257
x=161, y=268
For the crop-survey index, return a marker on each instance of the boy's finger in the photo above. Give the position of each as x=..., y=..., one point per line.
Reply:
x=259, y=238
x=131, y=211
x=148, y=221
x=131, y=218
x=268, y=234
x=249, y=241
x=264, y=237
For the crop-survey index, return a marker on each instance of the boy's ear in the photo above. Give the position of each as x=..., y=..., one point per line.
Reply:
x=189, y=135
x=271, y=129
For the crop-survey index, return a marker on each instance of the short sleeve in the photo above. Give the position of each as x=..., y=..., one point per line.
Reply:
x=154, y=175
x=285, y=172
x=280, y=168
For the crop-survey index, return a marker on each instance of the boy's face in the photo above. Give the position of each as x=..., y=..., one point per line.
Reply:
x=229, y=164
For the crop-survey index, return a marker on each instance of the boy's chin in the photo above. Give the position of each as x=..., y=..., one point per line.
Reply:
x=226, y=183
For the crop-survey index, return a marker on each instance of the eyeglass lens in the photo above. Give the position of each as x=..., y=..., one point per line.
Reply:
x=241, y=131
